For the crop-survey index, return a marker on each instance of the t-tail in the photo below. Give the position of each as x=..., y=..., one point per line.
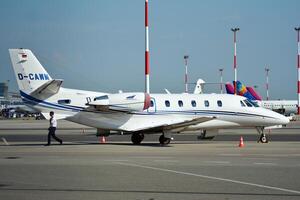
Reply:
x=34, y=82
x=29, y=72
x=32, y=78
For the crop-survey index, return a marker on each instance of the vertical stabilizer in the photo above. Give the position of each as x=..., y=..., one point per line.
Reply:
x=29, y=72
x=229, y=88
x=199, y=87
x=254, y=94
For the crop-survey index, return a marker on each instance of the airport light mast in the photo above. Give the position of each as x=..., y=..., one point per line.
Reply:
x=234, y=58
x=267, y=70
x=186, y=73
x=221, y=79
x=147, y=81
x=298, y=66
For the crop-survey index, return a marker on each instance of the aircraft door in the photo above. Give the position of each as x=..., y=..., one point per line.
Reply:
x=152, y=107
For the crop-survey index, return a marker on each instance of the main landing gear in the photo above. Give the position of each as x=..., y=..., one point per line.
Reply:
x=263, y=137
x=164, y=140
x=137, y=138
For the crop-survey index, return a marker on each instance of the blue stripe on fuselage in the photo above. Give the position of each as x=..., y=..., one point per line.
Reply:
x=34, y=100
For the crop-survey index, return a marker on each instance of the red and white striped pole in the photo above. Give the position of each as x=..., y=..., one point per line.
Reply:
x=147, y=81
x=298, y=66
x=186, y=73
x=234, y=58
x=267, y=82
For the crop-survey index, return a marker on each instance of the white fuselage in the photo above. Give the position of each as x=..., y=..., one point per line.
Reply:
x=227, y=110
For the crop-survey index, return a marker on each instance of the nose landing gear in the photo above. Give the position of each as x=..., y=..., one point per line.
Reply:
x=263, y=137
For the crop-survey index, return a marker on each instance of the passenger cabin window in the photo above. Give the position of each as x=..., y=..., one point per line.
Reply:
x=180, y=103
x=151, y=103
x=242, y=104
x=219, y=103
x=206, y=103
x=167, y=103
x=64, y=101
x=193, y=102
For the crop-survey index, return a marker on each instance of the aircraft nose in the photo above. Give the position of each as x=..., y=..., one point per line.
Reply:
x=284, y=120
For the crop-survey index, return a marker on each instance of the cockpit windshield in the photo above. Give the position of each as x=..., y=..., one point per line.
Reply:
x=254, y=103
x=250, y=103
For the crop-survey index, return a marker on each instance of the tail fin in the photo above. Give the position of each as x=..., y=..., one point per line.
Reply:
x=254, y=93
x=199, y=86
x=229, y=88
x=29, y=72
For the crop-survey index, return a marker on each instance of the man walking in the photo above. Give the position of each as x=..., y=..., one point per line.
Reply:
x=52, y=130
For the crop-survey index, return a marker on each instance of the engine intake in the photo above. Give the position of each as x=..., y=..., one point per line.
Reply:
x=123, y=101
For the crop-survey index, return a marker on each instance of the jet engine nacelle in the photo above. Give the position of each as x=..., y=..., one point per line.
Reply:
x=123, y=101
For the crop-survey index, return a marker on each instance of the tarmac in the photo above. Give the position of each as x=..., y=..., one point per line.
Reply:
x=188, y=168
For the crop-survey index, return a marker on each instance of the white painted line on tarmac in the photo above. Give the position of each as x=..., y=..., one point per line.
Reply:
x=116, y=160
x=231, y=154
x=217, y=162
x=170, y=161
x=260, y=163
x=210, y=177
x=5, y=142
x=262, y=155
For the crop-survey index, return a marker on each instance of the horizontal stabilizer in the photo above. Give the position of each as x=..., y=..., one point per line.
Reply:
x=48, y=89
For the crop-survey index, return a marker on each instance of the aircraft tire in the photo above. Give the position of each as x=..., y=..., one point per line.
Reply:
x=137, y=138
x=264, y=139
x=163, y=140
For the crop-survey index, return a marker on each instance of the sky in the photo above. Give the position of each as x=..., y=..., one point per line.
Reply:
x=99, y=45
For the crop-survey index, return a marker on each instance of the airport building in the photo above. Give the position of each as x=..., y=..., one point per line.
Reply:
x=3, y=90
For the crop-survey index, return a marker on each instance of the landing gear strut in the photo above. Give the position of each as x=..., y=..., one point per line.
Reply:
x=164, y=140
x=137, y=138
x=263, y=137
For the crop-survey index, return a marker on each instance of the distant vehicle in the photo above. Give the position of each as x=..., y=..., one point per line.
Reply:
x=285, y=107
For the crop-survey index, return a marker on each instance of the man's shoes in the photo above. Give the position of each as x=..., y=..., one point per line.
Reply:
x=61, y=142
x=47, y=145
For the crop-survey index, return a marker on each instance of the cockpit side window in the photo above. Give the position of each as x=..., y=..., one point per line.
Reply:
x=243, y=104
x=254, y=103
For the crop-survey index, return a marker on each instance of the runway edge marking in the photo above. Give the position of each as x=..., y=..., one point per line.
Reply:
x=209, y=177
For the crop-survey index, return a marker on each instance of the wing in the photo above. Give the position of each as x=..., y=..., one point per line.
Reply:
x=173, y=125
